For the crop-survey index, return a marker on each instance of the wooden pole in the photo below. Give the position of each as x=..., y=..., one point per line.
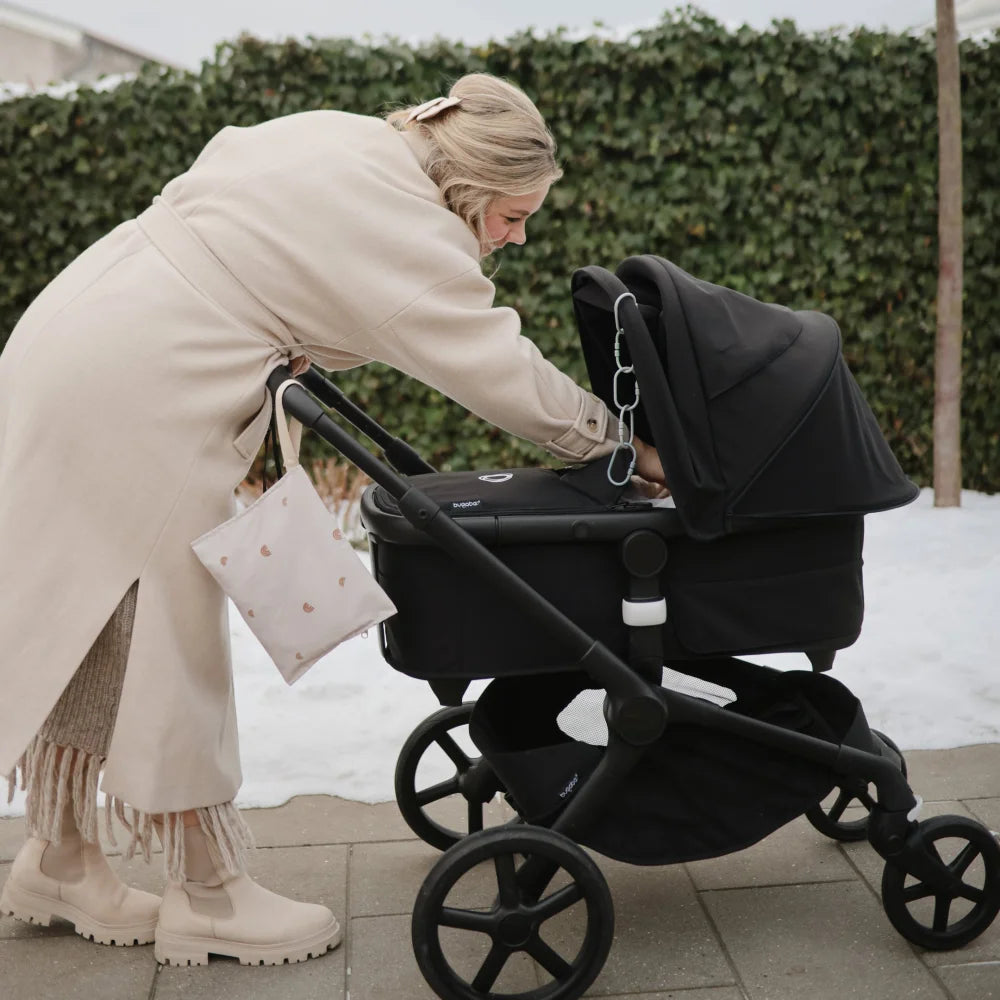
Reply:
x=948, y=343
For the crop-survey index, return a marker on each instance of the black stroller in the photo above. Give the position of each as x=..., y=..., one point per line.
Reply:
x=564, y=585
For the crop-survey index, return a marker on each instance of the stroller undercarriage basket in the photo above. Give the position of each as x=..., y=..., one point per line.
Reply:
x=660, y=812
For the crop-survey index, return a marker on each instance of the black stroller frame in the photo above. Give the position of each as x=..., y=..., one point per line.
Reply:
x=639, y=712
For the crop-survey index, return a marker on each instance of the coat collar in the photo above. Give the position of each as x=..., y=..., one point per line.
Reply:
x=420, y=148
x=418, y=145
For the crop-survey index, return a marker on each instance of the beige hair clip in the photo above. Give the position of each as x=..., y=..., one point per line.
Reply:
x=431, y=108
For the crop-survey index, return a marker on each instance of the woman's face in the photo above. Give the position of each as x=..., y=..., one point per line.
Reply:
x=506, y=217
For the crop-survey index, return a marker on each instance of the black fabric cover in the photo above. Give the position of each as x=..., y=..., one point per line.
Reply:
x=750, y=404
x=499, y=491
x=698, y=792
x=796, y=588
x=451, y=623
x=790, y=587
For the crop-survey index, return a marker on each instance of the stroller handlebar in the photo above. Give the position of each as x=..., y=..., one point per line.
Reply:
x=398, y=453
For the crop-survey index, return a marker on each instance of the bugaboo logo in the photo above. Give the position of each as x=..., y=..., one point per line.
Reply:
x=497, y=477
x=466, y=503
x=573, y=782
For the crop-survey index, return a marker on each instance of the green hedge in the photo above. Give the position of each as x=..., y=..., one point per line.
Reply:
x=798, y=168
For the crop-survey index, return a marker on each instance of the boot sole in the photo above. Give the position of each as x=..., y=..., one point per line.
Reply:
x=32, y=908
x=181, y=949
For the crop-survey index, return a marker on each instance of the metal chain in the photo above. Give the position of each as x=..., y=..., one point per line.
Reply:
x=624, y=411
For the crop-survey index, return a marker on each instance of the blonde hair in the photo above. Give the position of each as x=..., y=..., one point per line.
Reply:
x=494, y=144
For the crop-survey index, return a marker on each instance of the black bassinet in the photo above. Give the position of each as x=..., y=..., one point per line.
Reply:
x=772, y=455
x=788, y=587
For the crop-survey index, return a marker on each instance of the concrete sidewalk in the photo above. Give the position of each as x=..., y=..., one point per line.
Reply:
x=797, y=917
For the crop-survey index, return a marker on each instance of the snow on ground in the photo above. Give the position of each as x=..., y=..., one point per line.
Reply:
x=925, y=666
x=65, y=88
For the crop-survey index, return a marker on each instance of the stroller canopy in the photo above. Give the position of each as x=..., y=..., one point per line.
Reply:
x=751, y=405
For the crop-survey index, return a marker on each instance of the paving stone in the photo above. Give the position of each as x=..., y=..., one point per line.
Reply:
x=662, y=939
x=711, y=993
x=979, y=981
x=824, y=941
x=308, y=874
x=382, y=966
x=66, y=967
x=453, y=813
x=987, y=811
x=324, y=819
x=385, y=877
x=794, y=854
x=962, y=773
x=141, y=874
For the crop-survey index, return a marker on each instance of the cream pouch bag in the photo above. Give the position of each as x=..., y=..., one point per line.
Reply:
x=294, y=578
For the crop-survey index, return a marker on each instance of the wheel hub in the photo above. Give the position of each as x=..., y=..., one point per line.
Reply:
x=478, y=783
x=515, y=930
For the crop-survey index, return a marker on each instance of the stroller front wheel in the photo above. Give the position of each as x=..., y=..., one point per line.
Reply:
x=828, y=816
x=466, y=792
x=956, y=894
x=510, y=908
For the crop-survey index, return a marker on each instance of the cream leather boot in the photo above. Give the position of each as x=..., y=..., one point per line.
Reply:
x=71, y=879
x=217, y=913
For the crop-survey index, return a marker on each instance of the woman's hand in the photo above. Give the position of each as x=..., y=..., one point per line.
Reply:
x=648, y=467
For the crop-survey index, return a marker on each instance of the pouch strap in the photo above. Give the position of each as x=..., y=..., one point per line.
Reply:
x=289, y=429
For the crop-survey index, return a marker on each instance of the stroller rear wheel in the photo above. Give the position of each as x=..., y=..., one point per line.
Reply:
x=480, y=915
x=827, y=816
x=956, y=895
x=470, y=787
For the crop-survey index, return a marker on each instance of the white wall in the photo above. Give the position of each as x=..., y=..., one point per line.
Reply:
x=35, y=59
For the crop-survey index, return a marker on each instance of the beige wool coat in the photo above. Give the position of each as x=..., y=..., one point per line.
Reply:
x=132, y=401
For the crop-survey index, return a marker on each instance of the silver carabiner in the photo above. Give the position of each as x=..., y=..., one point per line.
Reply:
x=624, y=295
x=631, y=465
x=621, y=428
x=618, y=352
x=619, y=405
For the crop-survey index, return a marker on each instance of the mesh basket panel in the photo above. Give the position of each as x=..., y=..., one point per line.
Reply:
x=583, y=718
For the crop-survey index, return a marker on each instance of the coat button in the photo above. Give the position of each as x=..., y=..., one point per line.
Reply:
x=592, y=424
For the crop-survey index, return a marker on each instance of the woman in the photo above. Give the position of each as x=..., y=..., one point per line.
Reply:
x=132, y=402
